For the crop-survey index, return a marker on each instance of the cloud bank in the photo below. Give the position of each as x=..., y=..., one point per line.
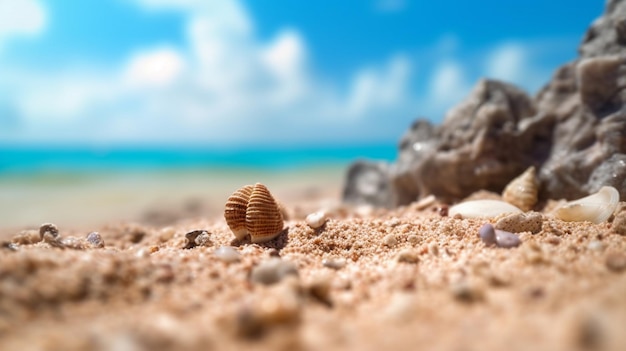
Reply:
x=224, y=86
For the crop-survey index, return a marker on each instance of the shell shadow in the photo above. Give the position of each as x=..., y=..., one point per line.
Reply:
x=279, y=242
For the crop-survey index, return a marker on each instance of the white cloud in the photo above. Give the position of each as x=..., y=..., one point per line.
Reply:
x=517, y=63
x=448, y=84
x=372, y=88
x=160, y=67
x=285, y=56
x=23, y=17
x=507, y=62
x=225, y=85
x=222, y=85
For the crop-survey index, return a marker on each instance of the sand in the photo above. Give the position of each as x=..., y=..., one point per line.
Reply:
x=404, y=279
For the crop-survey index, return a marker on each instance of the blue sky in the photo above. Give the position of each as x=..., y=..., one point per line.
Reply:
x=165, y=72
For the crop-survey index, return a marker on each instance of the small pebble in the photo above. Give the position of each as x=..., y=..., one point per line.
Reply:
x=413, y=239
x=146, y=251
x=394, y=222
x=52, y=240
x=443, y=211
x=589, y=333
x=407, y=256
x=227, y=254
x=595, y=245
x=498, y=279
x=316, y=219
x=192, y=236
x=333, y=263
x=364, y=210
x=166, y=234
x=272, y=271
x=521, y=222
x=433, y=248
x=95, y=240
x=487, y=234
x=466, y=292
x=507, y=240
x=27, y=237
x=73, y=243
x=616, y=261
x=401, y=308
x=273, y=252
x=320, y=290
x=553, y=239
x=619, y=223
x=390, y=240
x=9, y=245
x=425, y=202
x=48, y=228
x=204, y=239
x=280, y=306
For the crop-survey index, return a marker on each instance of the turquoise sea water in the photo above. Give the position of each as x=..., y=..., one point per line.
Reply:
x=33, y=160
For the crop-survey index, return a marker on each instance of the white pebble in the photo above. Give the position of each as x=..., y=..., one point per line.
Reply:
x=227, y=254
x=390, y=240
x=316, y=219
x=334, y=263
x=272, y=271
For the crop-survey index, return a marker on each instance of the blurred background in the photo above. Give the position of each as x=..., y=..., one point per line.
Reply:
x=155, y=110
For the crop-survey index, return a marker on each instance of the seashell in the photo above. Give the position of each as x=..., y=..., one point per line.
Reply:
x=252, y=210
x=595, y=208
x=482, y=208
x=235, y=212
x=522, y=191
x=316, y=219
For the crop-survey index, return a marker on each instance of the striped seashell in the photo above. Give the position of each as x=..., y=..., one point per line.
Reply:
x=252, y=210
x=235, y=212
x=522, y=191
x=595, y=208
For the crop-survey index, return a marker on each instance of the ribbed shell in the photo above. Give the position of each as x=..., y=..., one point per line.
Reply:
x=235, y=212
x=522, y=191
x=252, y=210
x=264, y=221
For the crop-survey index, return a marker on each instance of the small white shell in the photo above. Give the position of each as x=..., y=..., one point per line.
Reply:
x=482, y=208
x=522, y=191
x=595, y=208
x=316, y=219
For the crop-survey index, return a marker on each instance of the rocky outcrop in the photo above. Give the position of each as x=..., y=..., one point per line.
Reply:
x=573, y=132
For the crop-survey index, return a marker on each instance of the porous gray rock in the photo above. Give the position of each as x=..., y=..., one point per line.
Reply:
x=588, y=101
x=573, y=132
x=368, y=183
x=482, y=144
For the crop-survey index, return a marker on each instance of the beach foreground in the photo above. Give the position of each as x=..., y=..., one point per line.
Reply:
x=369, y=279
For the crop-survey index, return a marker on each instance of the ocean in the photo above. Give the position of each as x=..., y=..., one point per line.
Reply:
x=37, y=160
x=88, y=187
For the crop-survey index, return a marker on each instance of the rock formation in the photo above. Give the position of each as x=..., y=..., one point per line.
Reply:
x=573, y=132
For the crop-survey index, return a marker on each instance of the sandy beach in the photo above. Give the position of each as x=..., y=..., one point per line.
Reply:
x=380, y=175
x=410, y=278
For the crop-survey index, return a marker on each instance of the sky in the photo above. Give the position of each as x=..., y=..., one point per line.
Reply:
x=278, y=73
